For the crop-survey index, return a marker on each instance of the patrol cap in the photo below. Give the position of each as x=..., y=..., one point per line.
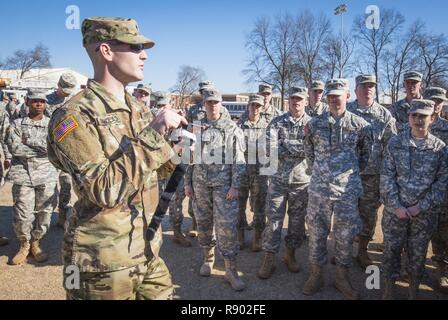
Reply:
x=102, y=29
x=413, y=75
x=162, y=98
x=317, y=85
x=336, y=87
x=67, y=82
x=212, y=95
x=36, y=94
x=264, y=88
x=145, y=88
x=365, y=78
x=13, y=95
x=205, y=83
x=435, y=93
x=422, y=106
x=257, y=99
x=300, y=92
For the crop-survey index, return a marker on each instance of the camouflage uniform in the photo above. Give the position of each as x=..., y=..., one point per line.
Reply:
x=337, y=150
x=33, y=177
x=252, y=182
x=413, y=173
x=289, y=187
x=65, y=183
x=111, y=155
x=317, y=110
x=382, y=126
x=4, y=126
x=270, y=113
x=211, y=183
x=197, y=113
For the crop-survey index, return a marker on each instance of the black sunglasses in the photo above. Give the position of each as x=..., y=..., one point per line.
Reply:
x=134, y=47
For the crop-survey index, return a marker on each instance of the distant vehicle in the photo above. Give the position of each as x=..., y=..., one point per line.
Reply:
x=236, y=109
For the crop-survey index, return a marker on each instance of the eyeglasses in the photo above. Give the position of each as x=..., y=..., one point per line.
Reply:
x=134, y=47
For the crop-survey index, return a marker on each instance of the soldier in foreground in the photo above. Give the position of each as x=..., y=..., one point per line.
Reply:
x=112, y=149
x=382, y=125
x=337, y=148
x=413, y=183
x=288, y=187
x=214, y=183
x=34, y=178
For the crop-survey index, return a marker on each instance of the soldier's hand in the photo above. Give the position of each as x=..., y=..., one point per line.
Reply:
x=402, y=213
x=7, y=164
x=189, y=191
x=233, y=194
x=167, y=120
x=414, y=211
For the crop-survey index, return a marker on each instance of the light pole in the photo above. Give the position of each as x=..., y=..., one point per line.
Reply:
x=339, y=10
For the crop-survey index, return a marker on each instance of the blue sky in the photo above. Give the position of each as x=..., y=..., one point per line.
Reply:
x=208, y=34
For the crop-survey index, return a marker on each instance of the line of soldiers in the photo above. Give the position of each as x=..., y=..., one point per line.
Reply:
x=23, y=136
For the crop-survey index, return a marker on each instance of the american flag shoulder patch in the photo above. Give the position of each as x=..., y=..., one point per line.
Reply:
x=65, y=127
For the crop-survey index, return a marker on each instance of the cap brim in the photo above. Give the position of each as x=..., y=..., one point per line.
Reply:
x=439, y=97
x=298, y=95
x=265, y=91
x=336, y=92
x=37, y=98
x=414, y=78
x=317, y=88
x=213, y=99
x=421, y=111
x=68, y=90
x=139, y=39
x=367, y=81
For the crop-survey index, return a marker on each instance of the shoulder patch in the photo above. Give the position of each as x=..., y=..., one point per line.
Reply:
x=65, y=127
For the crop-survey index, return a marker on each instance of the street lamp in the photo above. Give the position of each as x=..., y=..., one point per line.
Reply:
x=339, y=10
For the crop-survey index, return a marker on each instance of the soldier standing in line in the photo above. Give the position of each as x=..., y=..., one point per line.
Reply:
x=337, y=148
x=143, y=94
x=288, y=188
x=214, y=183
x=413, y=183
x=252, y=182
x=34, y=178
x=316, y=107
x=382, y=126
x=400, y=110
x=4, y=165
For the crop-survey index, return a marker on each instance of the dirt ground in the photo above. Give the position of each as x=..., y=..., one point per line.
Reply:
x=34, y=281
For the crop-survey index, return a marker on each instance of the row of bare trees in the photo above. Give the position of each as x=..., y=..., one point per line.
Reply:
x=296, y=49
x=25, y=60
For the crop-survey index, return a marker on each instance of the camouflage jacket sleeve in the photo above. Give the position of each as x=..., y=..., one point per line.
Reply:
x=16, y=144
x=365, y=144
x=105, y=181
x=388, y=186
x=438, y=191
x=4, y=127
x=308, y=144
x=239, y=164
x=390, y=130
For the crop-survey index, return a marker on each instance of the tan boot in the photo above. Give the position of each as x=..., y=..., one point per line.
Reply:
x=24, y=251
x=209, y=260
x=3, y=241
x=241, y=238
x=194, y=229
x=315, y=281
x=267, y=268
x=256, y=243
x=363, y=258
x=180, y=239
x=388, y=293
x=343, y=284
x=232, y=275
x=290, y=260
x=37, y=252
x=414, y=283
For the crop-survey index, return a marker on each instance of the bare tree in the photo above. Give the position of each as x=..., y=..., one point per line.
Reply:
x=434, y=54
x=271, y=48
x=336, y=60
x=25, y=60
x=188, y=79
x=373, y=42
x=313, y=32
x=401, y=58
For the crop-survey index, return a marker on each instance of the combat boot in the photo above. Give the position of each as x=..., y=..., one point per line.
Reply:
x=209, y=260
x=290, y=260
x=232, y=275
x=267, y=268
x=363, y=257
x=3, y=241
x=37, y=252
x=180, y=239
x=315, y=281
x=241, y=238
x=388, y=293
x=414, y=283
x=343, y=284
x=256, y=243
x=24, y=251
x=194, y=229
